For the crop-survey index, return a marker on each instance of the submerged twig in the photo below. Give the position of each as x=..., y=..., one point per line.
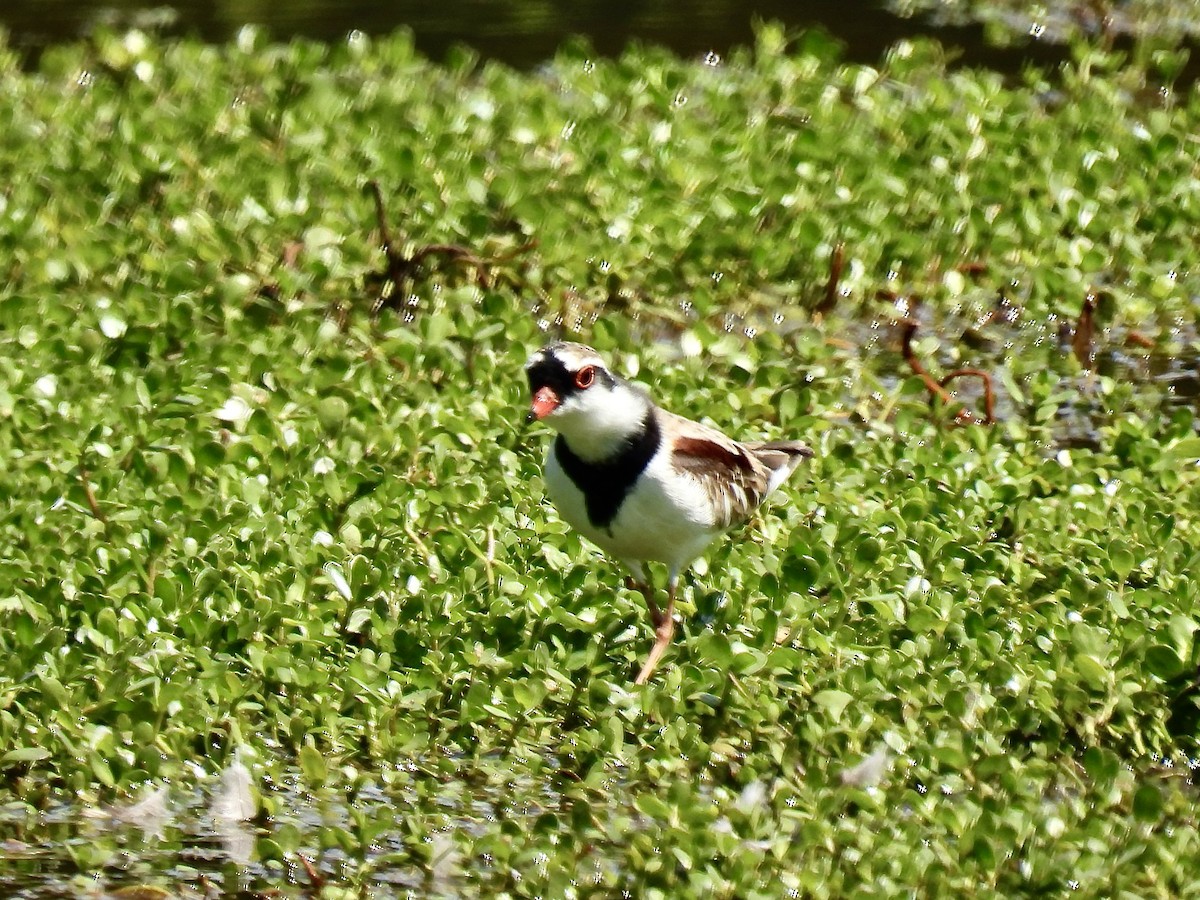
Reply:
x=90, y=496
x=837, y=262
x=938, y=388
x=291, y=254
x=1139, y=340
x=397, y=265
x=385, y=236
x=315, y=877
x=989, y=392
x=1085, y=329
x=521, y=250
x=403, y=269
x=907, y=330
x=289, y=257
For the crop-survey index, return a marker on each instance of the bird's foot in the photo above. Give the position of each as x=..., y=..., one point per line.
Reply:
x=664, y=630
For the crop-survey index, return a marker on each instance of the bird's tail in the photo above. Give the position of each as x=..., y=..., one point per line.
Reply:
x=780, y=457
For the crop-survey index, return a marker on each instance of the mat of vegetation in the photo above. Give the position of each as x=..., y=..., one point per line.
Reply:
x=1161, y=22
x=276, y=562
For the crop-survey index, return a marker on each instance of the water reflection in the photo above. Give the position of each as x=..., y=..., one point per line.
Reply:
x=522, y=33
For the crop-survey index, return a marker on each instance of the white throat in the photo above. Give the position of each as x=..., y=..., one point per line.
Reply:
x=602, y=424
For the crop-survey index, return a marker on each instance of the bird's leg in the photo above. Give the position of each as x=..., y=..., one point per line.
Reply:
x=664, y=629
x=646, y=591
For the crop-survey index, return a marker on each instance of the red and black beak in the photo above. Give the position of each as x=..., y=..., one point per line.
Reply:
x=545, y=401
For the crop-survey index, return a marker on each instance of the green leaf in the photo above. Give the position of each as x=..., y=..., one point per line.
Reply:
x=102, y=770
x=1102, y=765
x=1163, y=662
x=654, y=807
x=24, y=755
x=529, y=693
x=1148, y=803
x=747, y=660
x=358, y=620
x=332, y=412
x=834, y=701
x=1121, y=560
x=1092, y=671
x=1183, y=451
x=868, y=551
x=56, y=691
x=312, y=764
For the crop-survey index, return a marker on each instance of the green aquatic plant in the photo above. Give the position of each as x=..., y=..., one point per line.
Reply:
x=253, y=516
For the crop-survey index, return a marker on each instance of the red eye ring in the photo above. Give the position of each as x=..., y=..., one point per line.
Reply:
x=585, y=377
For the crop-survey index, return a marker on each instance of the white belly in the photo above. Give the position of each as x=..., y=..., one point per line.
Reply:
x=665, y=517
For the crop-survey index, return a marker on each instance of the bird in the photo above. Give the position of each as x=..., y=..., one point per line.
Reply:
x=641, y=483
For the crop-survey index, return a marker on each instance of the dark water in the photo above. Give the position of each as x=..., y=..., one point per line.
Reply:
x=521, y=33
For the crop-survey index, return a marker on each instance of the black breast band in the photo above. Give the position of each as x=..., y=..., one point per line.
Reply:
x=606, y=483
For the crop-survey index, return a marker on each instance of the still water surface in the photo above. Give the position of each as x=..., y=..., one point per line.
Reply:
x=521, y=33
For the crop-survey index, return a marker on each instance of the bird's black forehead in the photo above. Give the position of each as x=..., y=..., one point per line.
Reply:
x=548, y=370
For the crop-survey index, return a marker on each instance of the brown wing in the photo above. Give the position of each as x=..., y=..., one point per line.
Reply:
x=734, y=477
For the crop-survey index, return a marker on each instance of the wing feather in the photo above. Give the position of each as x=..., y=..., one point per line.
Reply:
x=735, y=479
x=736, y=476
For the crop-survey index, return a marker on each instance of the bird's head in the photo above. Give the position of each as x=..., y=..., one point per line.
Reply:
x=575, y=394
